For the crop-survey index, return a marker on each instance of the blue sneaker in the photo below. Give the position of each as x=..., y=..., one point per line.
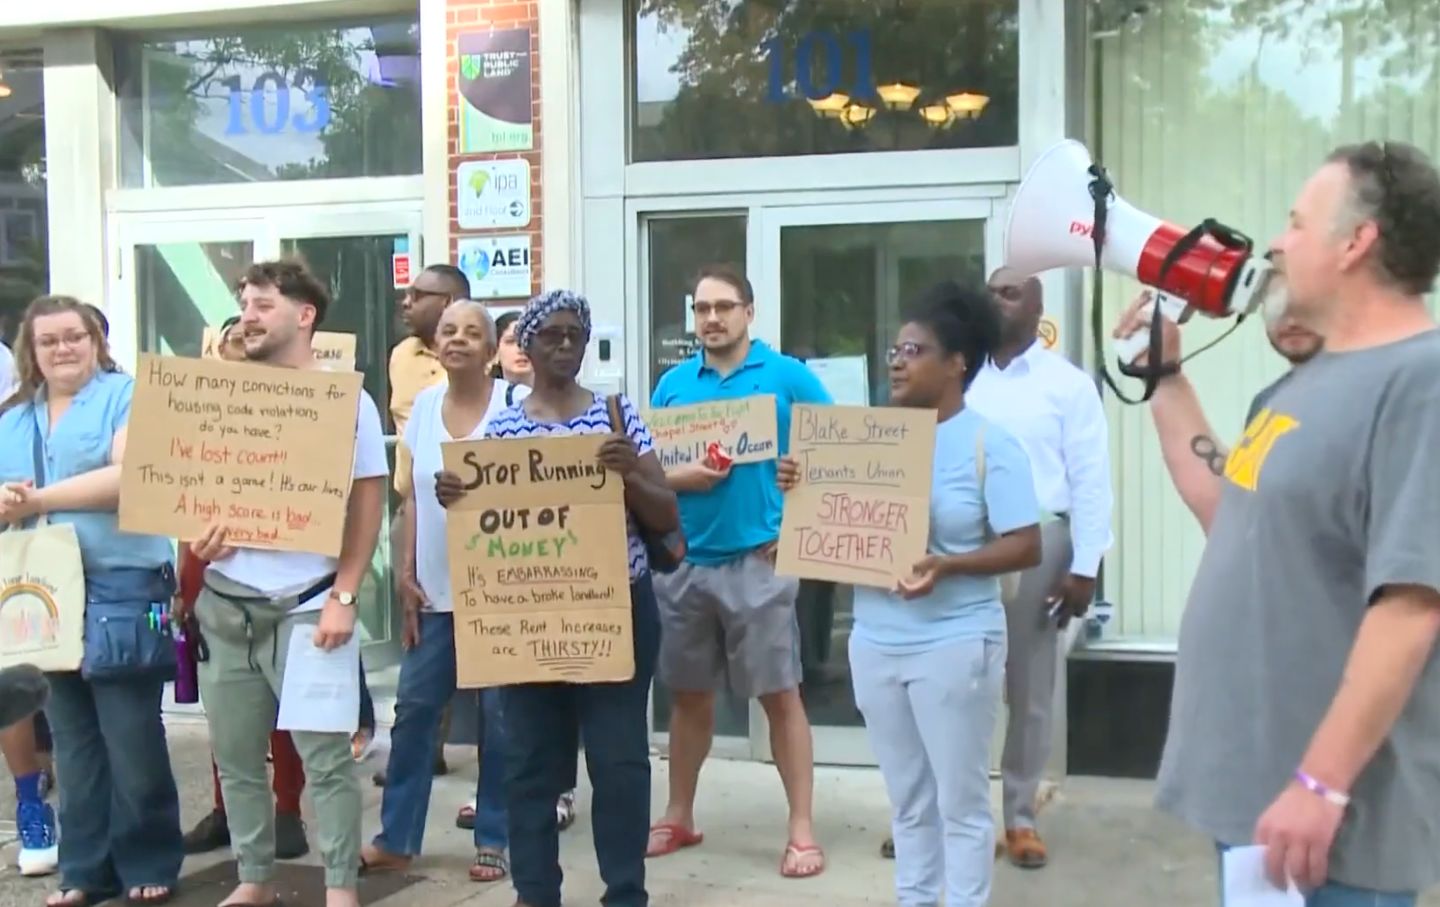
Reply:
x=39, y=839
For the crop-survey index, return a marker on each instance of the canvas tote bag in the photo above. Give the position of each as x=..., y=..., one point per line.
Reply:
x=42, y=592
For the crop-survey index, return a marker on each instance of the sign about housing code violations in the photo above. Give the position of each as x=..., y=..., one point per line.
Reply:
x=861, y=513
x=267, y=451
x=539, y=563
x=333, y=351
x=744, y=428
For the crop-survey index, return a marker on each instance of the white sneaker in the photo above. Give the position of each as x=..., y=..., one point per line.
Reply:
x=39, y=838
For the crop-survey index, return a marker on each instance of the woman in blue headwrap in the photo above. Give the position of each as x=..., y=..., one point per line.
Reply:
x=548, y=721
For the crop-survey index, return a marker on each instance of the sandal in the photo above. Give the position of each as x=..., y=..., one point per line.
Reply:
x=668, y=837
x=565, y=810
x=465, y=818
x=137, y=895
x=489, y=866
x=792, y=865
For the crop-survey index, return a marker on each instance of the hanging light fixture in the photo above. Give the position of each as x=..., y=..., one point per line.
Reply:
x=857, y=116
x=898, y=95
x=937, y=116
x=967, y=104
x=831, y=105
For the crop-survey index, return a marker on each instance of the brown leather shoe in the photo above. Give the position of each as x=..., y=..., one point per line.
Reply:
x=1025, y=849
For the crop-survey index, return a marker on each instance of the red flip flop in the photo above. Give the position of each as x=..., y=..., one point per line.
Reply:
x=675, y=837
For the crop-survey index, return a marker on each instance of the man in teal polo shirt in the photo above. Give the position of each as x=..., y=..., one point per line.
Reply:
x=726, y=616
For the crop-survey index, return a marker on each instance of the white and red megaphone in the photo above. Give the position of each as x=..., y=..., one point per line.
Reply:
x=1210, y=268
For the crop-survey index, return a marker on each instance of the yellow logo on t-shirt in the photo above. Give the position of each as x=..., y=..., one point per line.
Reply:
x=1247, y=459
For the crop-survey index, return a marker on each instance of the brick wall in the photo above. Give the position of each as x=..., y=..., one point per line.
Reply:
x=469, y=16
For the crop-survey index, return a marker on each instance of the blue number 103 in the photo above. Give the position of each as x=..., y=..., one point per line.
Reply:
x=260, y=117
x=824, y=48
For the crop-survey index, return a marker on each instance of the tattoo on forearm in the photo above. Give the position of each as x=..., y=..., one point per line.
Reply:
x=1206, y=449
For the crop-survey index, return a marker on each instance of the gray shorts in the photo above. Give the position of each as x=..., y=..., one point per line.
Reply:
x=732, y=621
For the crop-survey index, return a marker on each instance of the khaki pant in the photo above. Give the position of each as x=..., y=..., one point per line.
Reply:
x=240, y=684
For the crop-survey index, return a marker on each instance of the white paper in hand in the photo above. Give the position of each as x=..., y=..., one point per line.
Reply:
x=1245, y=883
x=321, y=690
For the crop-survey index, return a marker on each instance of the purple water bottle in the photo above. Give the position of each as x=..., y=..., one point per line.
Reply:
x=187, y=676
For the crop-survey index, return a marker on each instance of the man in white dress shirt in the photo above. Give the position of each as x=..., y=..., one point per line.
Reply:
x=1053, y=407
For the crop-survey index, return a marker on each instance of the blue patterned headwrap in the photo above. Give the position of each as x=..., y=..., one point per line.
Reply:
x=545, y=305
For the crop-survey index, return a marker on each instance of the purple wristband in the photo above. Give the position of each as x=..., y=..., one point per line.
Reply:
x=1334, y=797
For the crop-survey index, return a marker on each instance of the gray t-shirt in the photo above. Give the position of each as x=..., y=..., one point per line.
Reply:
x=1332, y=493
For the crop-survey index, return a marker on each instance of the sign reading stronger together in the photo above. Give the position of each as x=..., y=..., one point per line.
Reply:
x=267, y=451
x=539, y=563
x=861, y=513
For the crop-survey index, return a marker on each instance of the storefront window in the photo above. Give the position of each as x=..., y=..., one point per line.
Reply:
x=759, y=78
x=271, y=103
x=24, y=254
x=1222, y=108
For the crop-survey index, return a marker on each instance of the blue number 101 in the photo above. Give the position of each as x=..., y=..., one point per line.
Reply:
x=820, y=81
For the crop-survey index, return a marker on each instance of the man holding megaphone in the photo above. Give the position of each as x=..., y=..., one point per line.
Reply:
x=1306, y=712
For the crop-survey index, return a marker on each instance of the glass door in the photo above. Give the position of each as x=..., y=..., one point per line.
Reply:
x=176, y=274
x=842, y=275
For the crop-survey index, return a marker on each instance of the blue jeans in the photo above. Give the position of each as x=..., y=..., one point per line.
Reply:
x=1333, y=894
x=547, y=723
x=427, y=683
x=119, y=811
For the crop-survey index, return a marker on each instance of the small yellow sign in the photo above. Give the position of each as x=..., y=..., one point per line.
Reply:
x=1049, y=333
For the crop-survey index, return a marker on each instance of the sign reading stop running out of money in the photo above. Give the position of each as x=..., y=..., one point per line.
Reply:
x=267, y=451
x=861, y=513
x=539, y=563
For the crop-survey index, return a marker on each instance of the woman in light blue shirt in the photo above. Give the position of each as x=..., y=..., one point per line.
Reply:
x=927, y=658
x=62, y=439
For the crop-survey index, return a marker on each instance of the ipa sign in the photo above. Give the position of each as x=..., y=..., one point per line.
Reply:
x=861, y=512
x=744, y=428
x=267, y=451
x=539, y=563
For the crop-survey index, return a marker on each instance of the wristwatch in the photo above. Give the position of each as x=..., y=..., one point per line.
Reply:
x=345, y=598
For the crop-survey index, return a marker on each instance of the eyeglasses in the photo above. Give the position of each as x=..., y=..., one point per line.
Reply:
x=722, y=308
x=907, y=351
x=554, y=336
x=415, y=293
x=50, y=341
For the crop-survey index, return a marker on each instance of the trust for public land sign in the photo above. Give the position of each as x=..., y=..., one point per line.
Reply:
x=744, y=428
x=861, y=513
x=267, y=451
x=539, y=563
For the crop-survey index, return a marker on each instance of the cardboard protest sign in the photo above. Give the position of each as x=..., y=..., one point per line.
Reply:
x=744, y=428
x=334, y=351
x=861, y=513
x=539, y=563
x=268, y=451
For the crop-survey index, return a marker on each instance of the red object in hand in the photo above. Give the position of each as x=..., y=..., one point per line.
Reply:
x=716, y=458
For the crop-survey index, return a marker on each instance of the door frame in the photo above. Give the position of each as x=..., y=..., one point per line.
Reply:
x=837, y=745
x=766, y=215
x=265, y=227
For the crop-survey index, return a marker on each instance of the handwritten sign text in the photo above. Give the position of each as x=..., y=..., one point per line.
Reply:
x=539, y=563
x=744, y=428
x=266, y=450
x=861, y=513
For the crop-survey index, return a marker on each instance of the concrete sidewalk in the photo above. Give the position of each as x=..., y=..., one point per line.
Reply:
x=1108, y=846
